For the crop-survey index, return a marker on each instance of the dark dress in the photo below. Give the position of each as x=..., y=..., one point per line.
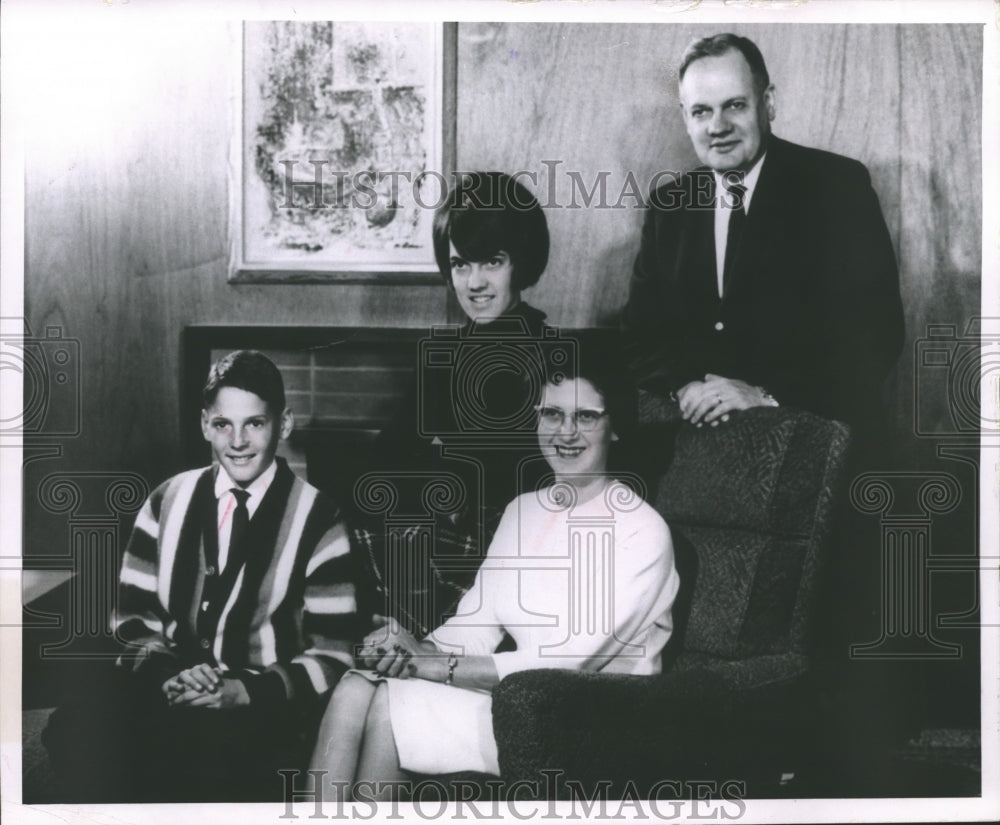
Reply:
x=461, y=446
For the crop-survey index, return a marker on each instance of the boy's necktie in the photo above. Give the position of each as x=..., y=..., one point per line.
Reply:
x=241, y=524
x=218, y=587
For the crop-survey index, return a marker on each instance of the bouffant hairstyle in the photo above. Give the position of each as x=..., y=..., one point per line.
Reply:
x=488, y=212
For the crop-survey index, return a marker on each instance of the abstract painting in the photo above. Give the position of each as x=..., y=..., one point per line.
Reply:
x=341, y=150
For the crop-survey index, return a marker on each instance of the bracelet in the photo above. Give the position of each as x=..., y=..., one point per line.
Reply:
x=452, y=661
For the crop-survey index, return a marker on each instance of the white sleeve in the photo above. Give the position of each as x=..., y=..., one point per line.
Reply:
x=475, y=629
x=644, y=586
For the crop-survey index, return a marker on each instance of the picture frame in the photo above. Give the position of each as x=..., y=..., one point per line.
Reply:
x=343, y=142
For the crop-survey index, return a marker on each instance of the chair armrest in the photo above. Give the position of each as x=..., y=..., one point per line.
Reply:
x=643, y=725
x=689, y=724
x=753, y=674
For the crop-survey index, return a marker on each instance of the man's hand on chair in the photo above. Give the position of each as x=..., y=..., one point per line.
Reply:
x=711, y=401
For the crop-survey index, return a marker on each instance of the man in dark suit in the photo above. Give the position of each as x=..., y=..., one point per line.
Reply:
x=781, y=290
x=765, y=277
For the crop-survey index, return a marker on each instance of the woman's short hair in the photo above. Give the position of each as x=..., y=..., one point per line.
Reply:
x=486, y=212
x=248, y=370
x=599, y=361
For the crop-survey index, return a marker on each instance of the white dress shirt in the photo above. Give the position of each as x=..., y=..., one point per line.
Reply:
x=723, y=209
x=227, y=503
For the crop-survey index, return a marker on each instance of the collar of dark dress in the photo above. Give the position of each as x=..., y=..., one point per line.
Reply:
x=521, y=319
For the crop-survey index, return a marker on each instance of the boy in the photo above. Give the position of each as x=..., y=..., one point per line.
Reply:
x=237, y=602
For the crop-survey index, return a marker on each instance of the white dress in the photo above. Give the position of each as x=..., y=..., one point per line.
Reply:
x=581, y=587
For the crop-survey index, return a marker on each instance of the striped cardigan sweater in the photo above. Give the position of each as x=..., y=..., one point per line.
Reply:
x=283, y=621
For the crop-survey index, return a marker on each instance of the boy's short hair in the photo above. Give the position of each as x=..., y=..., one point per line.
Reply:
x=250, y=370
x=486, y=212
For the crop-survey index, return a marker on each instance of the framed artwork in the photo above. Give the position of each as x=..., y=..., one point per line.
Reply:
x=345, y=139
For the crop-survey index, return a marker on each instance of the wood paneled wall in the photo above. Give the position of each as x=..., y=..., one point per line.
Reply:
x=127, y=234
x=129, y=151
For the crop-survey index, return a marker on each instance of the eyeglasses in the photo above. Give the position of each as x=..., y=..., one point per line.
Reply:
x=553, y=418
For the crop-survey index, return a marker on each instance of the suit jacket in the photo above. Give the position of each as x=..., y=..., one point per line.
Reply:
x=811, y=311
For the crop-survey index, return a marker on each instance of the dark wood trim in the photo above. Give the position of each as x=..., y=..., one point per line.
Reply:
x=354, y=276
x=449, y=106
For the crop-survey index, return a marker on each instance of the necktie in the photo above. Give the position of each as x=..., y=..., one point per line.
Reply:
x=241, y=524
x=734, y=235
x=217, y=587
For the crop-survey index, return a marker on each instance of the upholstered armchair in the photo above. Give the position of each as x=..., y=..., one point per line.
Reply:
x=749, y=505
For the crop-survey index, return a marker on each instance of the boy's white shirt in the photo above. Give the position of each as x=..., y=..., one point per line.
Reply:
x=227, y=503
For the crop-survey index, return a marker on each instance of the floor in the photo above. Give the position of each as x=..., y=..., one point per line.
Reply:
x=938, y=763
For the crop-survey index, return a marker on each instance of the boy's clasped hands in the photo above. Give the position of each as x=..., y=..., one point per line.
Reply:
x=204, y=686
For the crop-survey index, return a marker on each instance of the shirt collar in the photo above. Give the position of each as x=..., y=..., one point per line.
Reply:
x=256, y=489
x=749, y=181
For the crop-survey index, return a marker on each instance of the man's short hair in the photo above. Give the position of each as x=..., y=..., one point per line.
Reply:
x=717, y=45
x=250, y=370
x=486, y=212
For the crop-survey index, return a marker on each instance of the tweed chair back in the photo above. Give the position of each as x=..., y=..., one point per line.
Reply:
x=749, y=505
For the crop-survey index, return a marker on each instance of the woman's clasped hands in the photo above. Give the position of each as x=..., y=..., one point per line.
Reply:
x=390, y=650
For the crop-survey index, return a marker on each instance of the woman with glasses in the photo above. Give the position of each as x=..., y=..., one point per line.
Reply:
x=580, y=574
